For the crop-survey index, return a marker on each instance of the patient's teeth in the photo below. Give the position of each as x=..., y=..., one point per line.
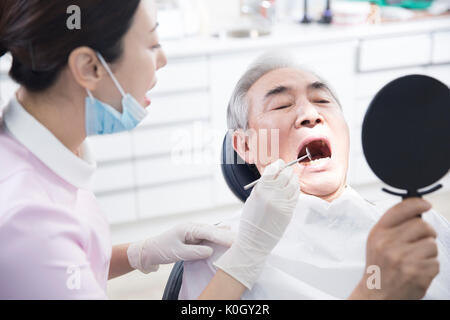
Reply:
x=316, y=160
x=324, y=158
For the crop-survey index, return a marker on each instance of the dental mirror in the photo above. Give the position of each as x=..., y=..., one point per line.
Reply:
x=406, y=134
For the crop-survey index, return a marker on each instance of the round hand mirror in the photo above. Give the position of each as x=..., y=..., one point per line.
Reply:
x=406, y=134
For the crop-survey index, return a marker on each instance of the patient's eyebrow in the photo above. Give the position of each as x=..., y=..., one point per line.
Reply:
x=276, y=90
x=318, y=85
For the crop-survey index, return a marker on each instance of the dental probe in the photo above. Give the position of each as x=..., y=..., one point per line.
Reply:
x=308, y=155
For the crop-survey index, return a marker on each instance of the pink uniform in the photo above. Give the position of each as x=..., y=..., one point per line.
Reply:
x=54, y=239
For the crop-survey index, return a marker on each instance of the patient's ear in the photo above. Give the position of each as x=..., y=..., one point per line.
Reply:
x=241, y=144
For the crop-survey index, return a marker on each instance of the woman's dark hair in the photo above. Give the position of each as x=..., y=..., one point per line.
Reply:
x=37, y=35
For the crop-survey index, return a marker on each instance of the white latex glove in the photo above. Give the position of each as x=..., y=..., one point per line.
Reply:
x=179, y=243
x=265, y=216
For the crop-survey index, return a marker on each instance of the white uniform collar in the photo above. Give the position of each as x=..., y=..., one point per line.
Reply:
x=47, y=148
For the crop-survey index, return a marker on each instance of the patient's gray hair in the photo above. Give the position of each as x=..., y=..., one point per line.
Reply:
x=237, y=114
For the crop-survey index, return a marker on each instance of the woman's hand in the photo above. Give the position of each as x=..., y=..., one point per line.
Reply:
x=266, y=214
x=403, y=246
x=179, y=243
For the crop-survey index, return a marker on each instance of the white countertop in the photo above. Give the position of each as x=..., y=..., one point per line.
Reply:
x=296, y=34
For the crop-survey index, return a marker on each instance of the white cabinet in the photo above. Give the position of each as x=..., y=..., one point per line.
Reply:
x=359, y=111
x=119, y=207
x=359, y=172
x=222, y=193
x=178, y=107
x=114, y=177
x=440, y=72
x=168, y=139
x=441, y=47
x=175, y=198
x=225, y=72
x=157, y=170
x=112, y=147
x=394, y=52
x=182, y=75
x=369, y=83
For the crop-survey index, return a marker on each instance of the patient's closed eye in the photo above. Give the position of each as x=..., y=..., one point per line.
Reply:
x=282, y=107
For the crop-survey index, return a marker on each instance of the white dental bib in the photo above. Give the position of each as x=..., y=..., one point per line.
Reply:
x=321, y=255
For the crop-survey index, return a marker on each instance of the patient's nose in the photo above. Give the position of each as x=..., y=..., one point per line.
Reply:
x=308, y=117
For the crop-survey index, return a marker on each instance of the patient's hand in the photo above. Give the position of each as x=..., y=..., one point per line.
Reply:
x=403, y=246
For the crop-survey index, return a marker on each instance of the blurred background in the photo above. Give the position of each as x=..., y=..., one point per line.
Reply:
x=167, y=170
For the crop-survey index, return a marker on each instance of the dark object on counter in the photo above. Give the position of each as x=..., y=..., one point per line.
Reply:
x=406, y=134
x=327, y=16
x=306, y=18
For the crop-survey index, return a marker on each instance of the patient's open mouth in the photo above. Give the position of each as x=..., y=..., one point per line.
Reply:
x=319, y=150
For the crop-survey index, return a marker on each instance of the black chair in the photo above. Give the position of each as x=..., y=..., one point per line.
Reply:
x=173, y=285
x=237, y=174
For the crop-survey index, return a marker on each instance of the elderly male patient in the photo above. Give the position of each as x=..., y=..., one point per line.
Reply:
x=337, y=245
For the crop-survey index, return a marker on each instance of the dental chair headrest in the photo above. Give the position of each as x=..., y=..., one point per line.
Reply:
x=236, y=172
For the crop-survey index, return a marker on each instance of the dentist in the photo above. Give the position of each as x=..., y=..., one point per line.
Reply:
x=54, y=239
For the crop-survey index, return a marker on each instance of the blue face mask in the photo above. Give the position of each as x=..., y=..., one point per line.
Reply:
x=102, y=118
